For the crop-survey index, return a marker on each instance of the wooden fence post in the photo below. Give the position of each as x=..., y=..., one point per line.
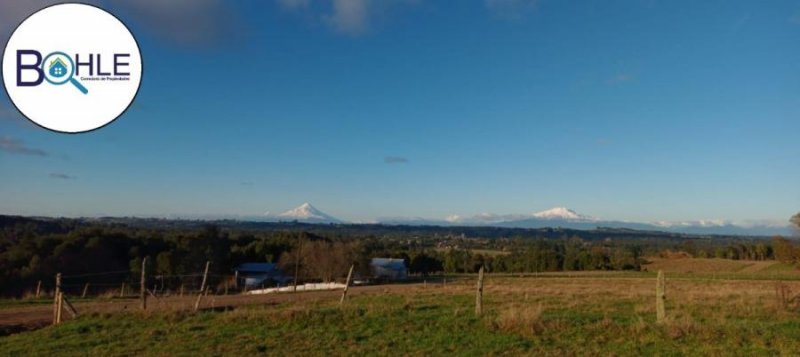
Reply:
x=38, y=289
x=59, y=306
x=70, y=308
x=142, y=285
x=347, y=284
x=205, y=277
x=56, y=304
x=661, y=297
x=122, y=290
x=85, y=290
x=297, y=265
x=181, y=291
x=202, y=287
x=479, y=294
x=236, y=280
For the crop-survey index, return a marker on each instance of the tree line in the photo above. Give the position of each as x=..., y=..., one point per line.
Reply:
x=33, y=250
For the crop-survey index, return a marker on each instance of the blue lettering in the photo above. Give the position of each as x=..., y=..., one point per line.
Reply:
x=99, y=70
x=118, y=64
x=89, y=64
x=32, y=66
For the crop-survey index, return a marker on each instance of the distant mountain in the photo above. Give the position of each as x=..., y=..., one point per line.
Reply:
x=558, y=217
x=554, y=217
x=726, y=227
x=562, y=213
x=305, y=213
x=411, y=221
x=562, y=217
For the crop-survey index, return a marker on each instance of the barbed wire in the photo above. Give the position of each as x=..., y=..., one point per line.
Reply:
x=156, y=276
x=95, y=274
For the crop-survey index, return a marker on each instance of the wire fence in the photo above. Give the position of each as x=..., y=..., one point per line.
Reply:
x=127, y=283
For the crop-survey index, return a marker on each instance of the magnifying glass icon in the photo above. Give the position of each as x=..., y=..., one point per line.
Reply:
x=58, y=68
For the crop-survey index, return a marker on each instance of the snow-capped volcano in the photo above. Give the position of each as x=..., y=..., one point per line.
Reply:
x=550, y=216
x=562, y=213
x=307, y=213
x=558, y=217
x=566, y=218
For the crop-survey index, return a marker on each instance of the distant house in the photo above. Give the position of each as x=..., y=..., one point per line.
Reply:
x=261, y=274
x=389, y=269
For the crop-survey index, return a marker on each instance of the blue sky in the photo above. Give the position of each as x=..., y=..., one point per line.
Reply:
x=634, y=110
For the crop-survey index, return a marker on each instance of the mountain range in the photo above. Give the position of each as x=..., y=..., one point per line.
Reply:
x=558, y=217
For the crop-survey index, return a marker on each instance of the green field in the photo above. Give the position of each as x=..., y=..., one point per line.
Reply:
x=582, y=315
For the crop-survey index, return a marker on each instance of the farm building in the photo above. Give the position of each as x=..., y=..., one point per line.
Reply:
x=389, y=269
x=261, y=274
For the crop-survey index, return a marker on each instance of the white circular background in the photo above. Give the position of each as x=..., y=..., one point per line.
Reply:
x=81, y=29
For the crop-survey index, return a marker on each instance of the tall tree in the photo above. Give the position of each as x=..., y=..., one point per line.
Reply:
x=784, y=250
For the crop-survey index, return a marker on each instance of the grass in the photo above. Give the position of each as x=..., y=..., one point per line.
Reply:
x=530, y=316
x=691, y=265
x=10, y=303
x=372, y=325
x=48, y=300
x=713, y=268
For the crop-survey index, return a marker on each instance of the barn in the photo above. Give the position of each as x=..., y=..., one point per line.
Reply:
x=261, y=274
x=389, y=269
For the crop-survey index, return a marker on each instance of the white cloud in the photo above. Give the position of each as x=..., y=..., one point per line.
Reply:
x=348, y=16
x=13, y=12
x=183, y=21
x=193, y=22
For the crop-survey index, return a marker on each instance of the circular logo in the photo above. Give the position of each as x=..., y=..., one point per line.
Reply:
x=72, y=68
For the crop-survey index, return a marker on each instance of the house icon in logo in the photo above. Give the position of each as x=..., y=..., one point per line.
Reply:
x=57, y=68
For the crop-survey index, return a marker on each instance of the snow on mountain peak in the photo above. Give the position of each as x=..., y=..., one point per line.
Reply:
x=554, y=217
x=307, y=212
x=454, y=218
x=560, y=213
